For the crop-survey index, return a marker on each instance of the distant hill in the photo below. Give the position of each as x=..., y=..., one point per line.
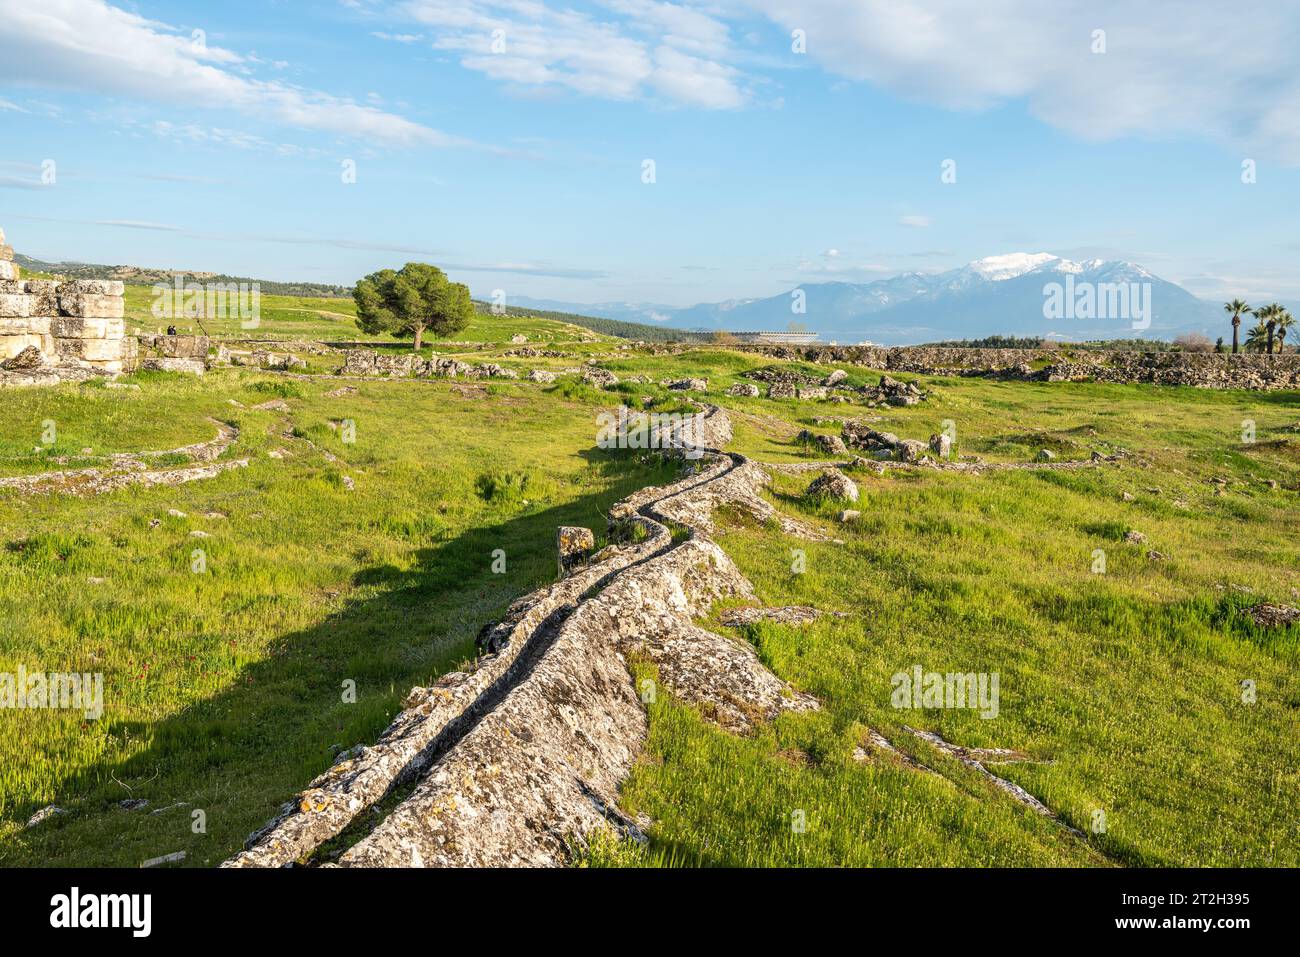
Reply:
x=995, y=296
x=140, y=276
x=608, y=327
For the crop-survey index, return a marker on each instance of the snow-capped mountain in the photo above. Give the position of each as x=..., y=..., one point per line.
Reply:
x=1023, y=294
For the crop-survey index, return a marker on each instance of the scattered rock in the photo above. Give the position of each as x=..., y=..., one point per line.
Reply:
x=575, y=545
x=541, y=375
x=348, y=483
x=1274, y=616
x=165, y=859
x=1156, y=556
x=44, y=814
x=340, y=392
x=744, y=389
x=941, y=445
x=833, y=484
x=274, y=405
x=830, y=444
x=1126, y=496
x=1134, y=537
x=687, y=385
x=133, y=804
x=27, y=360
x=849, y=515
x=912, y=450
x=1044, y=455
x=601, y=378
x=835, y=378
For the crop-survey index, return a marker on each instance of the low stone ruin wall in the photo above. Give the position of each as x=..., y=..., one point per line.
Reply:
x=174, y=353
x=367, y=362
x=1200, y=369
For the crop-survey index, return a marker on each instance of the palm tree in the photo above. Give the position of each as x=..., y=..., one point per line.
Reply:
x=1258, y=338
x=1268, y=316
x=1284, y=322
x=1235, y=309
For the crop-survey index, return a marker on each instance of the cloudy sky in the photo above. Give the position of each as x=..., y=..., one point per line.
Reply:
x=513, y=141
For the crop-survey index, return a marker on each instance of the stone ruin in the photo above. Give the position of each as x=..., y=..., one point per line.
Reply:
x=52, y=330
x=69, y=330
x=519, y=760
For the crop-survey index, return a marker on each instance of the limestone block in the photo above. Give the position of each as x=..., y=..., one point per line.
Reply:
x=24, y=325
x=105, y=365
x=8, y=270
x=86, y=305
x=44, y=291
x=15, y=305
x=91, y=287
x=10, y=346
x=90, y=349
x=6, y=252
x=192, y=366
x=68, y=327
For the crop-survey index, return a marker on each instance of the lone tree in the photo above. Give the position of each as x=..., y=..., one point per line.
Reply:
x=411, y=300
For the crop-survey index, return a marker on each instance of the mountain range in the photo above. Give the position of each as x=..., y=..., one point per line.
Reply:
x=1018, y=294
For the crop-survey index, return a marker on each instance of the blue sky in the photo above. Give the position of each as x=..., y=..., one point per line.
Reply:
x=519, y=167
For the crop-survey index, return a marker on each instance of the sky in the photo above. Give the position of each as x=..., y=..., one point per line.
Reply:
x=654, y=152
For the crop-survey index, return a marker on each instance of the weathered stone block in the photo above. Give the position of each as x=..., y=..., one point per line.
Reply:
x=8, y=270
x=69, y=327
x=15, y=305
x=6, y=252
x=24, y=326
x=10, y=346
x=44, y=293
x=85, y=305
x=192, y=366
x=91, y=349
x=107, y=366
x=91, y=287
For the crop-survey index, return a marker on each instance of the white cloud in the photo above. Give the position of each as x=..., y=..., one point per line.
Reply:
x=665, y=50
x=90, y=46
x=916, y=222
x=1171, y=67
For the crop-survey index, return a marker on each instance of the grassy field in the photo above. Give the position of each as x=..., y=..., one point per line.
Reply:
x=224, y=690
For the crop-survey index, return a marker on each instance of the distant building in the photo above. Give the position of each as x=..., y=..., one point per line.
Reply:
x=776, y=338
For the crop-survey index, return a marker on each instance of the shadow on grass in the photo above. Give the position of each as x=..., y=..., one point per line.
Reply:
x=240, y=754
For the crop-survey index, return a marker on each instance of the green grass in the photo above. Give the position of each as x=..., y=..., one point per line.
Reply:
x=223, y=690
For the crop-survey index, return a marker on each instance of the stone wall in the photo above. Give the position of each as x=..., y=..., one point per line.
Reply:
x=1200, y=369
x=48, y=327
x=174, y=353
